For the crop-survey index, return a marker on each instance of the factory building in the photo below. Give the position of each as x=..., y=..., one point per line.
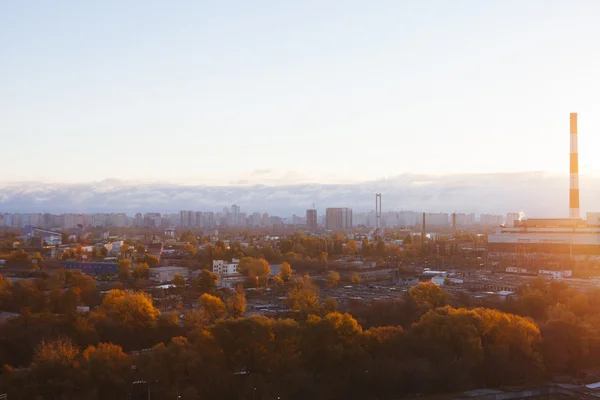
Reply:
x=552, y=243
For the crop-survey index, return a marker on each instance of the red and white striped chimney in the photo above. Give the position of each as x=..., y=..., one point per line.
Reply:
x=574, y=176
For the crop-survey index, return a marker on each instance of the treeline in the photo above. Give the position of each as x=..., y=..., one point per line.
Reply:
x=329, y=357
x=426, y=341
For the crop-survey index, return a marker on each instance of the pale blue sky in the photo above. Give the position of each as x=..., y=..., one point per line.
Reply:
x=215, y=91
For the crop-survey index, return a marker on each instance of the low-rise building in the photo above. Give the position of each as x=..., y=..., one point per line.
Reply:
x=556, y=274
x=225, y=268
x=166, y=274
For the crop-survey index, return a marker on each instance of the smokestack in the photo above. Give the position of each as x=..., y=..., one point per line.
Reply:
x=574, y=176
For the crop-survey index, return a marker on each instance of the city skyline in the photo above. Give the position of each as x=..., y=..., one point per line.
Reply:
x=216, y=94
x=536, y=194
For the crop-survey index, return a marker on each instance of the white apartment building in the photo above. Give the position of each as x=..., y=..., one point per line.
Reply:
x=225, y=268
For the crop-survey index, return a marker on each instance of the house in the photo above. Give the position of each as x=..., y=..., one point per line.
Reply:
x=166, y=274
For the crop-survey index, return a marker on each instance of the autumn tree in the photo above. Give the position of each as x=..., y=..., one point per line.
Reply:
x=430, y=294
x=179, y=282
x=107, y=371
x=303, y=297
x=351, y=247
x=133, y=309
x=333, y=278
x=141, y=271
x=190, y=250
x=285, y=271
x=54, y=370
x=355, y=279
x=212, y=308
x=206, y=281
x=236, y=304
x=151, y=260
x=330, y=305
x=124, y=269
x=451, y=340
x=140, y=249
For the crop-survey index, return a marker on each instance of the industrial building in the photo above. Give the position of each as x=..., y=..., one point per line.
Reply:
x=91, y=267
x=42, y=237
x=166, y=274
x=551, y=243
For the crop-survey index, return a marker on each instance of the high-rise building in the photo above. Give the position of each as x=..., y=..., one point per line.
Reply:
x=311, y=220
x=338, y=218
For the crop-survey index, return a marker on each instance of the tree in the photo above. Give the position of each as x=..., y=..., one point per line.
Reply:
x=236, y=304
x=428, y=293
x=212, y=308
x=303, y=297
x=151, y=260
x=190, y=250
x=54, y=368
x=285, y=271
x=188, y=236
x=107, y=371
x=355, y=279
x=330, y=305
x=207, y=281
x=333, y=278
x=124, y=269
x=133, y=309
x=141, y=271
x=95, y=253
x=179, y=282
x=451, y=341
x=125, y=250
x=140, y=249
x=351, y=247
x=260, y=267
x=244, y=265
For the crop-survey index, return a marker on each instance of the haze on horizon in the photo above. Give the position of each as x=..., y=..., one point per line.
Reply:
x=226, y=91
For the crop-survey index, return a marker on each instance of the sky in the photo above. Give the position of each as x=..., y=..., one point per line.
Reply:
x=236, y=91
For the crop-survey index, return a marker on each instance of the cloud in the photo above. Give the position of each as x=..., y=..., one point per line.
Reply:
x=538, y=194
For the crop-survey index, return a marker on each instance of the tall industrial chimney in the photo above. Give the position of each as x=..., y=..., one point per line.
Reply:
x=574, y=176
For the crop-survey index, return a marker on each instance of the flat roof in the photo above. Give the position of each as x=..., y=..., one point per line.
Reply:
x=167, y=269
